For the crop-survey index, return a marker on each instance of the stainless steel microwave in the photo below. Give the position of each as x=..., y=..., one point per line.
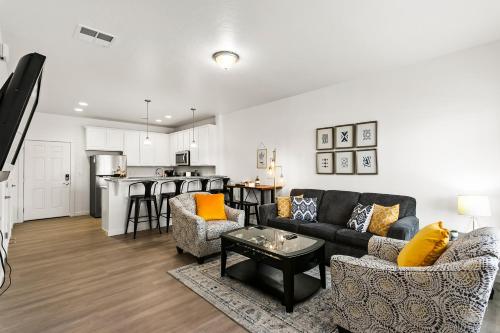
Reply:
x=182, y=157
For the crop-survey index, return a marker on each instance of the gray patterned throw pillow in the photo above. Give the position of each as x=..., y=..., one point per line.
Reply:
x=304, y=209
x=360, y=218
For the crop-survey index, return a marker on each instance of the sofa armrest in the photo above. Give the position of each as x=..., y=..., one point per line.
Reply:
x=235, y=215
x=404, y=228
x=267, y=212
x=385, y=248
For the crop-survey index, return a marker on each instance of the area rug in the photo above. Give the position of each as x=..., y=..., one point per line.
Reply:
x=252, y=309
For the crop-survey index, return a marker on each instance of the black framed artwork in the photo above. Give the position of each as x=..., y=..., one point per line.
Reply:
x=344, y=162
x=343, y=136
x=366, y=134
x=366, y=162
x=324, y=138
x=324, y=163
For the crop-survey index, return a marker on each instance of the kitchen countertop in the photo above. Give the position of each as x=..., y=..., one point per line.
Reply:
x=136, y=179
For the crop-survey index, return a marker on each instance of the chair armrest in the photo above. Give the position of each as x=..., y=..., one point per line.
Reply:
x=411, y=297
x=404, y=228
x=191, y=226
x=385, y=248
x=235, y=215
x=267, y=212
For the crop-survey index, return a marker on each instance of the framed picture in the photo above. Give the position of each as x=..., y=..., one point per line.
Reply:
x=324, y=163
x=262, y=158
x=366, y=162
x=344, y=136
x=366, y=134
x=324, y=138
x=344, y=162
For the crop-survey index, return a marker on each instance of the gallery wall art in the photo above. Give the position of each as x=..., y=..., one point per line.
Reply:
x=356, y=160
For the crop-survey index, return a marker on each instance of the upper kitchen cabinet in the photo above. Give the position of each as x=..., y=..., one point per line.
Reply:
x=132, y=147
x=205, y=151
x=156, y=153
x=101, y=138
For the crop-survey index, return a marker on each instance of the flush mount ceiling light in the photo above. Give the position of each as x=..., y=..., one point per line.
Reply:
x=78, y=109
x=226, y=59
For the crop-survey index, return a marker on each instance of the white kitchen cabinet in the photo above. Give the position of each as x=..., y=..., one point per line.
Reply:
x=162, y=147
x=173, y=147
x=132, y=148
x=205, y=151
x=102, y=138
x=194, y=151
x=147, y=151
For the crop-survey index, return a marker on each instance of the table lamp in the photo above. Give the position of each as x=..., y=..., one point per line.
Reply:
x=473, y=206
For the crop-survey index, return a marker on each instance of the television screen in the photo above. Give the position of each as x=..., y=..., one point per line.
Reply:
x=18, y=101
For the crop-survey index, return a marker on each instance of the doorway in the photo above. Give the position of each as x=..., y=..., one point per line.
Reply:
x=47, y=179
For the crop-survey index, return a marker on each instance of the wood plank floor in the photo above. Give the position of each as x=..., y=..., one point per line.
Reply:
x=68, y=276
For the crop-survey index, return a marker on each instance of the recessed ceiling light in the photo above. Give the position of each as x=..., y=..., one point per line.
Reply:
x=78, y=109
x=83, y=103
x=226, y=59
x=158, y=120
x=168, y=116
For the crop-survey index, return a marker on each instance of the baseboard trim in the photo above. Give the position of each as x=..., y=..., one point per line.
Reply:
x=85, y=212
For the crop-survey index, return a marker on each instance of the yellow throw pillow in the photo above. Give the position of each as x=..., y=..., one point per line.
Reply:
x=382, y=219
x=284, y=205
x=426, y=247
x=210, y=206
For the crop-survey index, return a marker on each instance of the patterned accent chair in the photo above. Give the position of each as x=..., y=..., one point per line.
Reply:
x=193, y=234
x=372, y=294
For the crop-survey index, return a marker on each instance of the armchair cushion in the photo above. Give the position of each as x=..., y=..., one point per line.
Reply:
x=210, y=206
x=216, y=228
x=426, y=247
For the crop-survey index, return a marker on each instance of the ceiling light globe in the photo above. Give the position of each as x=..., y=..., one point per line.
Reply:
x=226, y=59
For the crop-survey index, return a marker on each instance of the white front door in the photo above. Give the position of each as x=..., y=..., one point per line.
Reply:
x=46, y=179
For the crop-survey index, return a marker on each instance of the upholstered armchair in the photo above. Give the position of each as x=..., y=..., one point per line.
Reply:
x=372, y=294
x=195, y=235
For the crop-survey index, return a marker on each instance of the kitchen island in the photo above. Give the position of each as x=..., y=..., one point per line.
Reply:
x=115, y=200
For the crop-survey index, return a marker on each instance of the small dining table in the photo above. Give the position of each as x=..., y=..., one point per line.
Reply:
x=261, y=188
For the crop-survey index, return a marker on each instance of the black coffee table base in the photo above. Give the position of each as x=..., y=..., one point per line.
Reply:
x=270, y=280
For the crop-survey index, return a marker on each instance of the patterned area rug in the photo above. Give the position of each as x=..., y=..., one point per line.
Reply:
x=254, y=310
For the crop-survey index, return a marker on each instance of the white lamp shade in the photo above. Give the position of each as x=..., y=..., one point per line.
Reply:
x=473, y=205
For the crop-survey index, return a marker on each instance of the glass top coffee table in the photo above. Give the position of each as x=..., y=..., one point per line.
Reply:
x=277, y=262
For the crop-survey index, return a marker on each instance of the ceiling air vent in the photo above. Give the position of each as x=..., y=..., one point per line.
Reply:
x=94, y=36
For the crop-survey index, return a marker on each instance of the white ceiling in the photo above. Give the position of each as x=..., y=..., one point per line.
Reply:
x=163, y=48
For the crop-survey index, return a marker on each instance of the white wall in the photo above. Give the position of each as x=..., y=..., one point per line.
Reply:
x=439, y=133
x=52, y=127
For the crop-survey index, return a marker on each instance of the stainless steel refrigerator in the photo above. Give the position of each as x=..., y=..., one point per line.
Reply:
x=102, y=166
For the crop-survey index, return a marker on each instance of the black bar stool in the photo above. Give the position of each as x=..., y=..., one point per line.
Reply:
x=215, y=185
x=168, y=196
x=136, y=199
x=247, y=205
x=188, y=185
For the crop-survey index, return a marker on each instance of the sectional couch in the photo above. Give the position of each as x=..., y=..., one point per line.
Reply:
x=334, y=210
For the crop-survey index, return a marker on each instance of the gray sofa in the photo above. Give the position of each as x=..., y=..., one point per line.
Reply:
x=334, y=210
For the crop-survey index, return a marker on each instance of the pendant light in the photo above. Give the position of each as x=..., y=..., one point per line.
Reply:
x=193, y=143
x=147, y=141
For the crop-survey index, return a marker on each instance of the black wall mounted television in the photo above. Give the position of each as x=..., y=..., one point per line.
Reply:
x=18, y=101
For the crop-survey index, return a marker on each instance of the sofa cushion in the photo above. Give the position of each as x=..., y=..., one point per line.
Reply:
x=304, y=209
x=325, y=231
x=308, y=193
x=336, y=207
x=216, y=227
x=407, y=205
x=353, y=238
x=284, y=224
